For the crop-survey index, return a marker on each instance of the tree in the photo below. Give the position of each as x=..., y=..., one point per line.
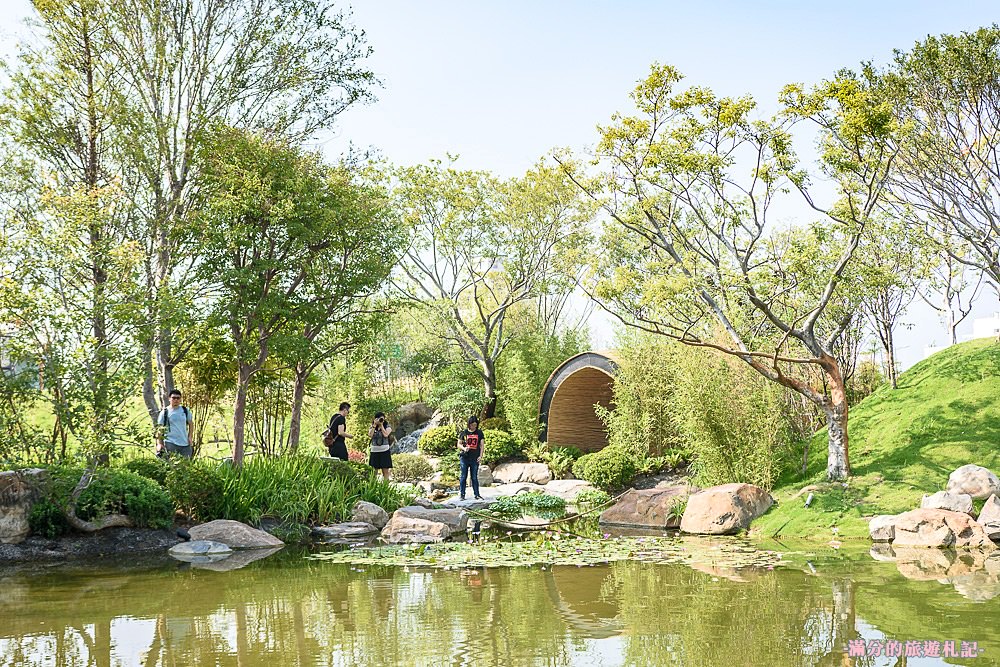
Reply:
x=946, y=94
x=283, y=249
x=689, y=183
x=481, y=248
x=951, y=290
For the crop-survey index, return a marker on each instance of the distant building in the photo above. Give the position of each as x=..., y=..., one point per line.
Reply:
x=982, y=327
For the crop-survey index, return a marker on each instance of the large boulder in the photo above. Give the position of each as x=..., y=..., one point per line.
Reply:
x=234, y=534
x=366, y=512
x=457, y=520
x=18, y=491
x=509, y=473
x=725, y=509
x=945, y=500
x=939, y=528
x=882, y=528
x=485, y=476
x=647, y=508
x=404, y=529
x=567, y=489
x=975, y=481
x=199, y=550
x=411, y=416
x=989, y=518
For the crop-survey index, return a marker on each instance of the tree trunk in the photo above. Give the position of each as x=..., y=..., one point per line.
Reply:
x=490, y=388
x=298, y=398
x=240, y=413
x=108, y=521
x=890, y=354
x=148, y=390
x=838, y=466
x=952, y=325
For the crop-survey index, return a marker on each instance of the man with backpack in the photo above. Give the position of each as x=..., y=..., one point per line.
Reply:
x=175, y=435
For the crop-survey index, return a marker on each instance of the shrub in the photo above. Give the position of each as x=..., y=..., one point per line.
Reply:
x=500, y=446
x=558, y=459
x=150, y=468
x=572, y=452
x=438, y=441
x=197, y=489
x=560, y=463
x=47, y=519
x=511, y=508
x=411, y=468
x=592, y=498
x=495, y=424
x=121, y=492
x=607, y=469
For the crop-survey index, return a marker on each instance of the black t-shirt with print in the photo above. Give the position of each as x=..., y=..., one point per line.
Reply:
x=474, y=441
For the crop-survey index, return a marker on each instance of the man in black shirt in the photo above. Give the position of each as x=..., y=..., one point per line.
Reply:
x=470, y=446
x=338, y=429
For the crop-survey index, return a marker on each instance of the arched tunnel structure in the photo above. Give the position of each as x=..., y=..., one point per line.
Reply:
x=566, y=412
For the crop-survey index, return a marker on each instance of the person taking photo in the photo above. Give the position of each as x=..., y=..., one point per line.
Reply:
x=380, y=450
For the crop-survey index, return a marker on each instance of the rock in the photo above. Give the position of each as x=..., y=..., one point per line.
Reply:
x=923, y=564
x=423, y=502
x=945, y=500
x=989, y=518
x=366, y=512
x=403, y=529
x=456, y=520
x=485, y=476
x=882, y=551
x=235, y=560
x=409, y=417
x=647, y=508
x=343, y=531
x=882, y=528
x=199, y=548
x=975, y=481
x=235, y=534
x=18, y=491
x=567, y=489
x=725, y=509
x=939, y=528
x=509, y=473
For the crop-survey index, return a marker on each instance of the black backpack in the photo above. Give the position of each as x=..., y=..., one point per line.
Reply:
x=166, y=422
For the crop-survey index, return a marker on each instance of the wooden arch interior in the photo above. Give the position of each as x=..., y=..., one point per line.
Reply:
x=572, y=419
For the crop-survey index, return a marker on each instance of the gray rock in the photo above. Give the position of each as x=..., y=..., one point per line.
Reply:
x=409, y=417
x=342, y=531
x=18, y=491
x=185, y=550
x=235, y=534
x=975, y=481
x=423, y=502
x=939, y=528
x=366, y=512
x=456, y=520
x=647, y=508
x=882, y=528
x=404, y=529
x=567, y=489
x=485, y=476
x=234, y=560
x=882, y=551
x=725, y=509
x=945, y=500
x=989, y=518
x=509, y=473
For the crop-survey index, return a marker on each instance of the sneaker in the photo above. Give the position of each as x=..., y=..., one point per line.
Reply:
x=479, y=497
x=461, y=497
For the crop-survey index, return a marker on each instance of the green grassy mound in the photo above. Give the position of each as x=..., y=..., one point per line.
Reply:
x=903, y=443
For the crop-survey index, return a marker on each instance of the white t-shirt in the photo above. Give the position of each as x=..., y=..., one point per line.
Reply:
x=177, y=426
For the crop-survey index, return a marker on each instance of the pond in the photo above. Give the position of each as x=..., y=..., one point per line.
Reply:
x=295, y=609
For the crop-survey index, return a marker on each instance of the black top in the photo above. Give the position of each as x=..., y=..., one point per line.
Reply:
x=474, y=441
x=335, y=423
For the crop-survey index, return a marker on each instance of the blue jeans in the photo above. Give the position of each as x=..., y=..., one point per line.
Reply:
x=466, y=466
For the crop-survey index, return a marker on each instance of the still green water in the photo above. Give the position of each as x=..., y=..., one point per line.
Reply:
x=290, y=610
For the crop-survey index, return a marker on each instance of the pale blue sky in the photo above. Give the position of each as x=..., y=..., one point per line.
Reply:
x=501, y=83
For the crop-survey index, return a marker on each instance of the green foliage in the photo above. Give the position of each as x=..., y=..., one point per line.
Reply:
x=152, y=468
x=410, y=468
x=457, y=392
x=511, y=508
x=438, y=441
x=608, y=469
x=196, y=488
x=592, y=498
x=47, y=519
x=734, y=421
x=569, y=450
x=499, y=446
x=302, y=489
x=559, y=459
x=495, y=424
x=111, y=491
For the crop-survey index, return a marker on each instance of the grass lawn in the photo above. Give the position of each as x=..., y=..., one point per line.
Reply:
x=903, y=444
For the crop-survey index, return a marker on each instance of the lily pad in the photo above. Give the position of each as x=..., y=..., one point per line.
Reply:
x=557, y=550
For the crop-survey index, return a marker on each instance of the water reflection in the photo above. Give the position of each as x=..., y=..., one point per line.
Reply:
x=286, y=610
x=974, y=574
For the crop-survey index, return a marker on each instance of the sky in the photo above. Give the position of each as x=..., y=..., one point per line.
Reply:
x=502, y=83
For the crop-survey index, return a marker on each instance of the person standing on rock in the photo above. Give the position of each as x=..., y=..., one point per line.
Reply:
x=380, y=454
x=338, y=432
x=470, y=447
x=175, y=435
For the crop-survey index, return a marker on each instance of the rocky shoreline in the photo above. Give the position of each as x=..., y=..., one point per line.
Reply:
x=109, y=542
